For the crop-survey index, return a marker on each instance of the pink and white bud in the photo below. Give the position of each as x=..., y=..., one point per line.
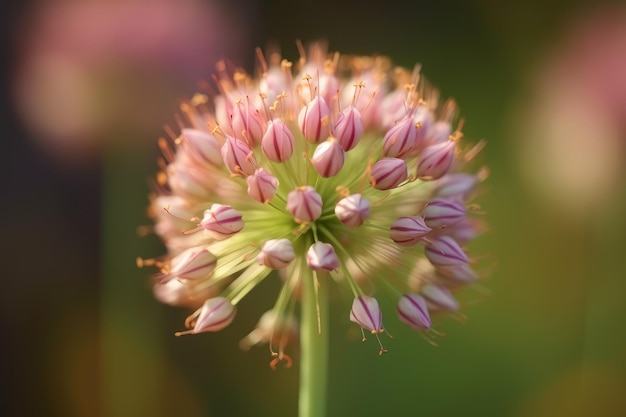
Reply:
x=353, y=210
x=388, y=173
x=439, y=132
x=238, y=157
x=399, y=141
x=328, y=158
x=366, y=313
x=439, y=298
x=322, y=257
x=444, y=251
x=304, y=204
x=349, y=128
x=214, y=315
x=247, y=123
x=458, y=274
x=412, y=310
x=192, y=264
x=455, y=185
x=278, y=142
x=221, y=221
x=314, y=120
x=276, y=253
x=262, y=185
x=408, y=230
x=465, y=230
x=201, y=147
x=443, y=212
x=436, y=160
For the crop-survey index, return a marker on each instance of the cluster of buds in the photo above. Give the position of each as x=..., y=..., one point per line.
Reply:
x=335, y=169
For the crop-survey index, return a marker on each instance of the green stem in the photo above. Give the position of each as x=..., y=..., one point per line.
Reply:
x=314, y=348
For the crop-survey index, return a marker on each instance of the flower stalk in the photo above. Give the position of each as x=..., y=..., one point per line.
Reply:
x=314, y=347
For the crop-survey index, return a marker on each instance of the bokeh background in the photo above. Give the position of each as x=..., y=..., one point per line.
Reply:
x=86, y=88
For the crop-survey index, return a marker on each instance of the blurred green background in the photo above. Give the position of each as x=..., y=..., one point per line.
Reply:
x=87, y=88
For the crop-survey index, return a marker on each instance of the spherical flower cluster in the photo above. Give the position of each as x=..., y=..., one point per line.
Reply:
x=337, y=169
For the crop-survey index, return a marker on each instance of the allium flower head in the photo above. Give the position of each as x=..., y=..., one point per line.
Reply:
x=336, y=171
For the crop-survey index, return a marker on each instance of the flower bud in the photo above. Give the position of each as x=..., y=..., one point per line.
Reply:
x=436, y=160
x=314, y=119
x=412, y=310
x=422, y=116
x=328, y=158
x=278, y=141
x=192, y=264
x=388, y=173
x=444, y=251
x=276, y=253
x=221, y=221
x=201, y=147
x=407, y=231
x=238, y=157
x=366, y=313
x=304, y=204
x=439, y=298
x=400, y=139
x=455, y=185
x=214, y=315
x=465, y=230
x=322, y=257
x=349, y=128
x=443, y=211
x=262, y=185
x=247, y=124
x=352, y=210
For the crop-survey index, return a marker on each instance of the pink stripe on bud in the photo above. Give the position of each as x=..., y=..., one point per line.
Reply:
x=388, y=173
x=278, y=141
x=412, y=310
x=304, y=204
x=443, y=211
x=366, y=313
x=352, y=210
x=314, y=120
x=436, y=160
x=457, y=274
x=215, y=314
x=191, y=264
x=276, y=253
x=238, y=157
x=221, y=221
x=349, y=128
x=407, y=231
x=247, y=123
x=328, y=158
x=322, y=257
x=400, y=139
x=262, y=185
x=444, y=251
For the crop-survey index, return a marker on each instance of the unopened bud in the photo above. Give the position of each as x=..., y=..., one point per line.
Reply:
x=238, y=157
x=413, y=311
x=262, y=185
x=314, y=119
x=322, y=257
x=366, y=313
x=328, y=158
x=455, y=185
x=276, y=253
x=214, y=315
x=352, y=210
x=278, y=141
x=221, y=221
x=439, y=298
x=407, y=231
x=436, y=160
x=443, y=211
x=191, y=264
x=247, y=124
x=201, y=147
x=304, y=204
x=400, y=139
x=444, y=251
x=349, y=128
x=388, y=173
